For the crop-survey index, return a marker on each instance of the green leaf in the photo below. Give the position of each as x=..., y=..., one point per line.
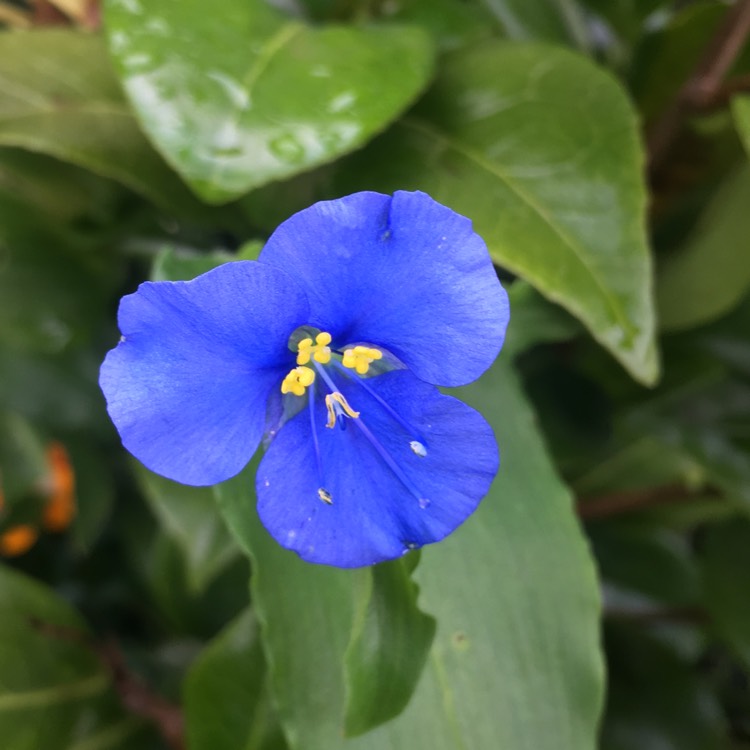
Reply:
x=514, y=594
x=536, y=320
x=711, y=274
x=656, y=699
x=546, y=160
x=190, y=517
x=453, y=23
x=726, y=567
x=665, y=58
x=389, y=645
x=542, y=20
x=59, y=97
x=54, y=692
x=173, y=265
x=227, y=703
x=50, y=292
x=741, y=112
x=244, y=95
x=650, y=566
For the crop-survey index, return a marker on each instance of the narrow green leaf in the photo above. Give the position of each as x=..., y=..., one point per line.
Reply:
x=711, y=274
x=389, y=645
x=546, y=160
x=244, y=95
x=59, y=96
x=741, y=112
x=514, y=594
x=189, y=515
x=726, y=567
x=227, y=704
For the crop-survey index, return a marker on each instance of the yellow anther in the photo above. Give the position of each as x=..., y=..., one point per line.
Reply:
x=325, y=496
x=297, y=380
x=319, y=351
x=337, y=404
x=359, y=358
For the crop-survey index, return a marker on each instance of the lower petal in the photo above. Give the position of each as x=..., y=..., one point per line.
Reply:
x=376, y=512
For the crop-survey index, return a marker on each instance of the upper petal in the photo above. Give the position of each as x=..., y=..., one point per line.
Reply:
x=187, y=385
x=374, y=516
x=402, y=272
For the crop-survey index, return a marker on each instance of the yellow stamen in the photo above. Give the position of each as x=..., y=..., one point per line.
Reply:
x=337, y=404
x=360, y=357
x=297, y=380
x=319, y=351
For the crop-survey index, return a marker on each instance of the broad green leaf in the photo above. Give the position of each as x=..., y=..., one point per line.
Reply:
x=515, y=663
x=711, y=273
x=726, y=566
x=59, y=96
x=559, y=21
x=54, y=692
x=189, y=515
x=244, y=95
x=227, y=703
x=389, y=645
x=741, y=112
x=657, y=699
x=546, y=160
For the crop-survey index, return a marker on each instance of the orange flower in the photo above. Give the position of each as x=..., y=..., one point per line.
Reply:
x=17, y=540
x=61, y=506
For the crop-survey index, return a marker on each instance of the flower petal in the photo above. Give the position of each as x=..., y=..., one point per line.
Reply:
x=188, y=384
x=405, y=273
x=373, y=515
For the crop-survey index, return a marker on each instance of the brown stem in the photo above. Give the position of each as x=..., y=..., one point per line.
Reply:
x=616, y=503
x=135, y=695
x=704, y=84
x=687, y=615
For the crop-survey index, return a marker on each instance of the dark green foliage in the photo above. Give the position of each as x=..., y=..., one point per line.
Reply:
x=615, y=202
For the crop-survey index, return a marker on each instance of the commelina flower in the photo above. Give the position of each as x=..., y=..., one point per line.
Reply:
x=331, y=345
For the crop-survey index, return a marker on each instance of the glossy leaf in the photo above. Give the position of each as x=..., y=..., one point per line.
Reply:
x=227, y=704
x=514, y=594
x=389, y=645
x=79, y=116
x=189, y=515
x=711, y=274
x=726, y=566
x=244, y=95
x=54, y=693
x=556, y=192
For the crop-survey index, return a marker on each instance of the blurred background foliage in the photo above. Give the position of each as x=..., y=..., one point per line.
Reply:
x=600, y=597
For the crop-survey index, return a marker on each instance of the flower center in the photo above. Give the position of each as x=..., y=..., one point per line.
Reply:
x=323, y=360
x=357, y=358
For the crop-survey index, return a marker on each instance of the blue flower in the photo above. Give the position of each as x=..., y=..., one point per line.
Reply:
x=332, y=344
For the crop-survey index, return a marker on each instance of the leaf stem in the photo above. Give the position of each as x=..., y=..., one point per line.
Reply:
x=704, y=86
